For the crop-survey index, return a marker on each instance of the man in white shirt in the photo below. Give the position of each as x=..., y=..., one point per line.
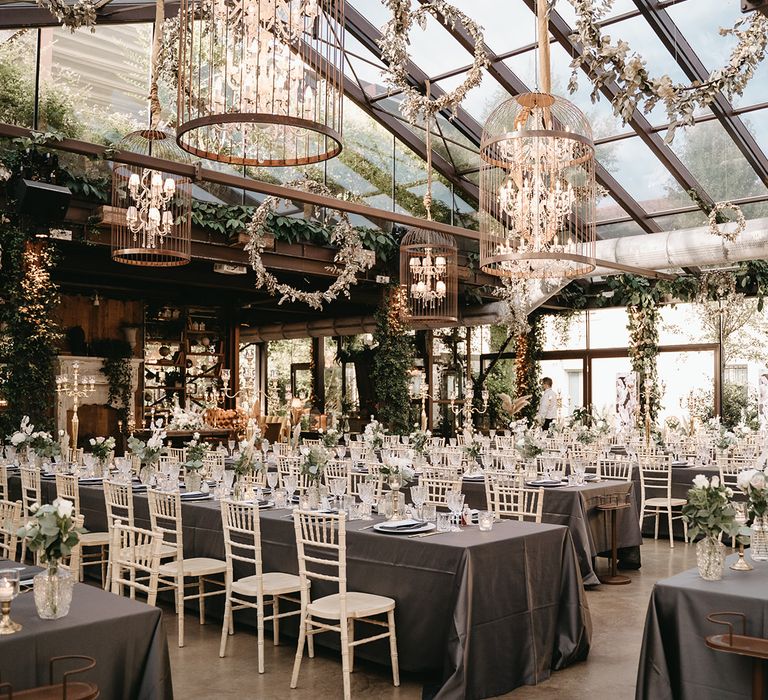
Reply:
x=547, y=404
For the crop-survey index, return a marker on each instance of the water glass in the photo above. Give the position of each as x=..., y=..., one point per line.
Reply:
x=229, y=480
x=280, y=498
x=419, y=494
x=338, y=486
x=455, y=502
x=231, y=446
x=290, y=482
x=485, y=520
x=429, y=512
x=272, y=480
x=367, y=492
x=444, y=522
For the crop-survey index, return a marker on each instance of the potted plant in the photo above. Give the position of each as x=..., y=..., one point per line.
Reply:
x=196, y=451
x=754, y=483
x=52, y=533
x=709, y=512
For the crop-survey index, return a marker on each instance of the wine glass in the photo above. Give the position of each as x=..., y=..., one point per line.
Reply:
x=272, y=480
x=265, y=448
x=231, y=446
x=290, y=482
x=367, y=492
x=406, y=439
x=341, y=451
x=338, y=486
x=229, y=480
x=419, y=495
x=455, y=502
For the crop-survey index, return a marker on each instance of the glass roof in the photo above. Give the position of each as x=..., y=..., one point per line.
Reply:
x=723, y=156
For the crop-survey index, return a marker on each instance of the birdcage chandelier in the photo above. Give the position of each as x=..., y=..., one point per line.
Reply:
x=261, y=81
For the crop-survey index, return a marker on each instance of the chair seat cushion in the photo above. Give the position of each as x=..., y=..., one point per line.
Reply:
x=275, y=583
x=665, y=501
x=94, y=539
x=76, y=690
x=196, y=566
x=358, y=605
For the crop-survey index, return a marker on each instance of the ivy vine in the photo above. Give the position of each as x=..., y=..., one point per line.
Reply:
x=116, y=367
x=527, y=371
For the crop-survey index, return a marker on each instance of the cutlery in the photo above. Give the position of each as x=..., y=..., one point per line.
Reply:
x=425, y=534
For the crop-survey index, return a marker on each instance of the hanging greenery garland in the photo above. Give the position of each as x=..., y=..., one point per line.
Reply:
x=527, y=370
x=81, y=14
x=351, y=256
x=714, y=221
x=394, y=43
x=613, y=62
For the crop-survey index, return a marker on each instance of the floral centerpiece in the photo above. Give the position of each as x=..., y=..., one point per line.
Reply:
x=725, y=440
x=196, y=451
x=398, y=472
x=419, y=440
x=20, y=439
x=709, y=511
x=148, y=452
x=52, y=532
x=754, y=483
x=101, y=448
x=43, y=445
x=584, y=435
x=473, y=447
x=330, y=438
x=374, y=434
x=529, y=446
x=313, y=464
x=185, y=419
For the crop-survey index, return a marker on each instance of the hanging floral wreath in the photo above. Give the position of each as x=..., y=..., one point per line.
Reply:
x=607, y=62
x=714, y=221
x=351, y=256
x=81, y=14
x=394, y=51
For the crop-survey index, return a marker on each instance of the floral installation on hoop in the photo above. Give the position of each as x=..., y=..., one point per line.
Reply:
x=394, y=43
x=81, y=14
x=351, y=255
x=101, y=447
x=51, y=531
x=753, y=483
x=313, y=464
x=708, y=510
x=714, y=224
x=608, y=62
x=196, y=451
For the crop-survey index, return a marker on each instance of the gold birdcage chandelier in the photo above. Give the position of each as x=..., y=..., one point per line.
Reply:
x=261, y=81
x=537, y=183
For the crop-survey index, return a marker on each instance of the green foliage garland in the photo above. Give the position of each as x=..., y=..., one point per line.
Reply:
x=393, y=359
x=28, y=341
x=527, y=370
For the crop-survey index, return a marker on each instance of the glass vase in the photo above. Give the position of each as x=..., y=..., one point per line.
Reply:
x=758, y=541
x=53, y=592
x=193, y=480
x=710, y=558
x=396, y=499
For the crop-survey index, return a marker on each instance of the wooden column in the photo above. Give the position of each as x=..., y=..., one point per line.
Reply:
x=318, y=374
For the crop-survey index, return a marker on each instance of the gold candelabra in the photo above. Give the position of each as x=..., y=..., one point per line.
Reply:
x=466, y=409
x=75, y=388
x=422, y=394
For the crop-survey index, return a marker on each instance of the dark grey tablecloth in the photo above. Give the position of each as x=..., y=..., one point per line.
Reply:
x=484, y=611
x=125, y=637
x=675, y=663
x=575, y=507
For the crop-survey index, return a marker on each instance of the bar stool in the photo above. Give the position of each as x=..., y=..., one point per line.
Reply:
x=613, y=504
x=754, y=647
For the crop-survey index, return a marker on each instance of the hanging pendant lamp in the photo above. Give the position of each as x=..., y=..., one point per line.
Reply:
x=261, y=81
x=537, y=183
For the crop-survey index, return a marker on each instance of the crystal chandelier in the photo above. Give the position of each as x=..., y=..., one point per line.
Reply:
x=153, y=210
x=261, y=81
x=429, y=272
x=537, y=185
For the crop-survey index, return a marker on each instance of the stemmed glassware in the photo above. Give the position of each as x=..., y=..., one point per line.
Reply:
x=419, y=495
x=341, y=451
x=338, y=486
x=265, y=449
x=229, y=480
x=231, y=447
x=272, y=480
x=367, y=492
x=455, y=502
x=290, y=482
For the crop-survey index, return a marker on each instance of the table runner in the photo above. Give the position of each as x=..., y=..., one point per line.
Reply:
x=675, y=663
x=486, y=611
x=126, y=637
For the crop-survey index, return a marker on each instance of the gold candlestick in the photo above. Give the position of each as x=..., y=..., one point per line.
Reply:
x=75, y=388
x=7, y=626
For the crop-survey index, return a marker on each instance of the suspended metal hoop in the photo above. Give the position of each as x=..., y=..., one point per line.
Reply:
x=261, y=81
x=429, y=273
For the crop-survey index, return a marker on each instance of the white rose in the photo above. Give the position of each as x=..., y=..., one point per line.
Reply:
x=34, y=508
x=728, y=492
x=744, y=479
x=715, y=483
x=758, y=480
x=700, y=481
x=63, y=507
x=92, y=441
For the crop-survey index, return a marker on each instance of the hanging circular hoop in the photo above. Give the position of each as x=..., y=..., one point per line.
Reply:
x=715, y=227
x=351, y=255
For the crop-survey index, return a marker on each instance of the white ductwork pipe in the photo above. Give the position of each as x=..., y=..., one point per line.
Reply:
x=692, y=247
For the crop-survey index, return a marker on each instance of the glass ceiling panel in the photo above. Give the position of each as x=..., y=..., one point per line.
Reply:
x=599, y=114
x=757, y=123
x=715, y=161
x=701, y=30
x=686, y=220
x=480, y=101
x=608, y=208
x=17, y=65
x=635, y=167
x=626, y=228
x=757, y=210
x=507, y=25
x=620, y=7
x=367, y=76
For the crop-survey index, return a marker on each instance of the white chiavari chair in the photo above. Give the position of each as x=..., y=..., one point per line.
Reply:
x=281, y=449
x=67, y=487
x=508, y=500
x=10, y=522
x=30, y=495
x=656, y=493
x=135, y=560
x=178, y=453
x=437, y=489
x=322, y=548
x=354, y=479
x=335, y=469
x=165, y=517
x=436, y=442
x=3, y=482
x=618, y=469
x=242, y=544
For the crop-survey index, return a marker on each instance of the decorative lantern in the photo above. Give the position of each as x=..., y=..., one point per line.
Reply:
x=429, y=273
x=153, y=224
x=537, y=183
x=261, y=81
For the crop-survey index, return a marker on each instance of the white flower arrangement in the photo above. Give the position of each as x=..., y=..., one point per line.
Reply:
x=708, y=509
x=398, y=466
x=101, y=447
x=149, y=452
x=21, y=437
x=373, y=435
x=185, y=419
x=753, y=483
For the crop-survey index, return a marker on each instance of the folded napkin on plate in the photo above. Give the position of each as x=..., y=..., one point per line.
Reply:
x=402, y=525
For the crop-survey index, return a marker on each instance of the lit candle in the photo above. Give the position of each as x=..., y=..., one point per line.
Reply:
x=6, y=591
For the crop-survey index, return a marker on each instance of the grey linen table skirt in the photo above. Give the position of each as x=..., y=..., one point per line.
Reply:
x=675, y=663
x=485, y=612
x=576, y=507
x=126, y=637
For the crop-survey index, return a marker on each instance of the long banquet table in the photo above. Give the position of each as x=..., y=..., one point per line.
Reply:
x=131, y=664
x=485, y=612
x=674, y=661
x=576, y=507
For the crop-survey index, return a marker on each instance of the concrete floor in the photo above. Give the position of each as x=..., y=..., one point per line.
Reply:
x=618, y=615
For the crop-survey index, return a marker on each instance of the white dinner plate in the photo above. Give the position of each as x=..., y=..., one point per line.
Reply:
x=196, y=496
x=473, y=477
x=391, y=530
x=546, y=482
